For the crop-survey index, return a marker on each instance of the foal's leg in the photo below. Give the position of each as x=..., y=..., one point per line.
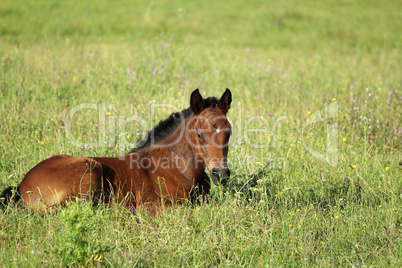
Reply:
x=201, y=189
x=59, y=179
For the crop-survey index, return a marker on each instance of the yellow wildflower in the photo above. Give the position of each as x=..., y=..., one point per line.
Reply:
x=97, y=257
x=386, y=168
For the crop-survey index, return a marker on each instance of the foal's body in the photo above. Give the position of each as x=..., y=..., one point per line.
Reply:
x=133, y=179
x=170, y=171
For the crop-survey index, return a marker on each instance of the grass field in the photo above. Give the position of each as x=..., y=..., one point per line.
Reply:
x=303, y=193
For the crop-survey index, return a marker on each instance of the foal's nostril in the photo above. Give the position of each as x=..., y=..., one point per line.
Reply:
x=220, y=175
x=216, y=171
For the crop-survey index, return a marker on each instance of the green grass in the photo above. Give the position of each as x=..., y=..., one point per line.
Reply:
x=283, y=61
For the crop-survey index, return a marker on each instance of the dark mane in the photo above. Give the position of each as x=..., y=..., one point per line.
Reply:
x=167, y=126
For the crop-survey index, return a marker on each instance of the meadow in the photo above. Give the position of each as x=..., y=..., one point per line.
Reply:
x=315, y=154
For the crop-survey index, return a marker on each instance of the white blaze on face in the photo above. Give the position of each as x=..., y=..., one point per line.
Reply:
x=218, y=130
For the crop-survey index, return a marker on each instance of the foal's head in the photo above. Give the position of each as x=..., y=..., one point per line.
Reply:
x=211, y=131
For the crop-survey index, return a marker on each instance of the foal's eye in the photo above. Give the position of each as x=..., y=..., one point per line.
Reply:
x=200, y=136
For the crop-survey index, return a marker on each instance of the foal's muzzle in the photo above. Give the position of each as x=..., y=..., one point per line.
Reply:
x=220, y=175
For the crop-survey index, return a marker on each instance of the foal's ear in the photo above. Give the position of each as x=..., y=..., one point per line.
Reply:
x=196, y=101
x=225, y=101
